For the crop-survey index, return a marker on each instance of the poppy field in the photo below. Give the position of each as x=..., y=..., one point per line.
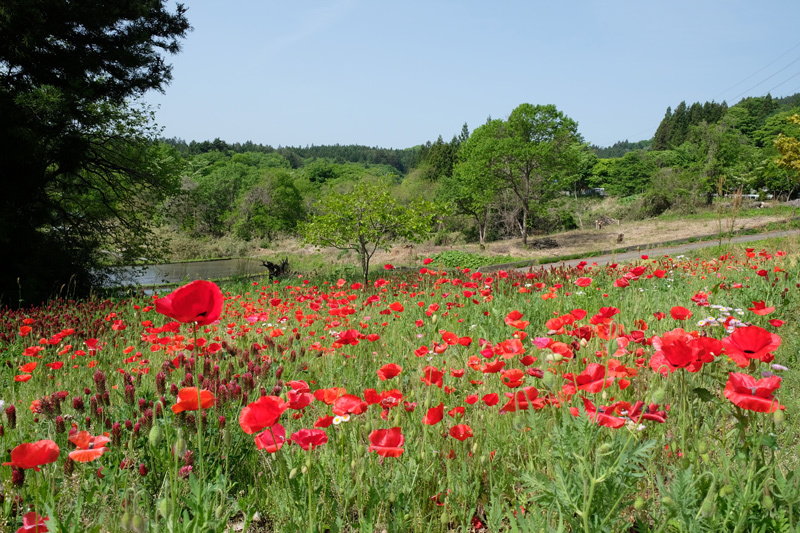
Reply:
x=656, y=395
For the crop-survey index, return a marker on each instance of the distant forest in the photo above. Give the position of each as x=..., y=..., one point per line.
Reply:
x=699, y=150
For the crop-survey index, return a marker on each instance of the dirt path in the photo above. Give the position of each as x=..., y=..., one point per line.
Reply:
x=668, y=250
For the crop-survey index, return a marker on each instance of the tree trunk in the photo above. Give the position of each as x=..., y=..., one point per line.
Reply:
x=362, y=251
x=524, y=225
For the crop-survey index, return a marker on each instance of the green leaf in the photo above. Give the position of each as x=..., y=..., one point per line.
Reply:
x=704, y=394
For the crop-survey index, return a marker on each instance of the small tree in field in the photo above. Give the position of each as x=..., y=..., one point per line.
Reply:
x=364, y=220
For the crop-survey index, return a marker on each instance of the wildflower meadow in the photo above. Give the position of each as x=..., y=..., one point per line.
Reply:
x=656, y=395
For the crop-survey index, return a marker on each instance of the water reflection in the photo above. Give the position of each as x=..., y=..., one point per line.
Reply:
x=176, y=273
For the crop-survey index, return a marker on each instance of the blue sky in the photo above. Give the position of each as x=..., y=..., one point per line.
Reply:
x=398, y=73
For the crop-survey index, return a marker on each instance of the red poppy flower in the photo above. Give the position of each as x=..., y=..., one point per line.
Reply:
x=456, y=411
x=434, y=415
x=513, y=378
x=387, y=442
x=522, y=400
x=593, y=378
x=583, y=282
x=388, y=371
x=328, y=396
x=188, y=401
x=679, y=349
x=638, y=412
x=371, y=396
x=493, y=367
x=461, y=432
x=491, y=399
x=680, y=313
x=513, y=319
x=299, y=385
x=760, y=308
x=312, y=438
x=599, y=416
x=261, y=414
x=271, y=439
x=298, y=400
x=621, y=283
x=350, y=336
x=776, y=322
x=744, y=391
x=349, y=404
x=433, y=376
x=22, y=378
x=28, y=367
x=751, y=342
x=324, y=421
x=472, y=399
x=388, y=266
x=200, y=301
x=34, y=454
x=33, y=523
x=397, y=307
x=55, y=366
x=89, y=447
x=511, y=347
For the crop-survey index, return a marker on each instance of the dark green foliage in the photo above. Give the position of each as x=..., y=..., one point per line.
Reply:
x=273, y=205
x=78, y=167
x=674, y=127
x=620, y=148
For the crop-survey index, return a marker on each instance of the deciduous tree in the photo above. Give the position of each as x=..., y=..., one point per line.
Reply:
x=366, y=219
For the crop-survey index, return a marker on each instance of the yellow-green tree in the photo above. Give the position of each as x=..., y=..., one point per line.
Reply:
x=789, y=147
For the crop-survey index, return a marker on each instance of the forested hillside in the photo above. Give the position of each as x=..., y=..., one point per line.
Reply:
x=530, y=173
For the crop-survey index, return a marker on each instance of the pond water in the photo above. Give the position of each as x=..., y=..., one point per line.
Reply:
x=177, y=273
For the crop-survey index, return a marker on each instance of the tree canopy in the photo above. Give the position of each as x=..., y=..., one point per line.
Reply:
x=366, y=219
x=78, y=165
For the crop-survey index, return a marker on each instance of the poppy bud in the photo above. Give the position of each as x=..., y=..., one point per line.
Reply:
x=707, y=507
x=778, y=417
x=726, y=490
x=125, y=521
x=549, y=380
x=658, y=396
x=154, y=437
x=179, y=449
x=293, y=473
x=162, y=507
x=639, y=503
x=767, y=502
x=137, y=524
x=308, y=463
x=666, y=501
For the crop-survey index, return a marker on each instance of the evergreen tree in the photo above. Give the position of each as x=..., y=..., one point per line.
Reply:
x=79, y=167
